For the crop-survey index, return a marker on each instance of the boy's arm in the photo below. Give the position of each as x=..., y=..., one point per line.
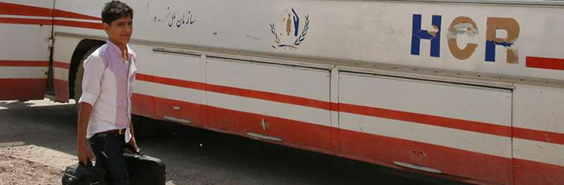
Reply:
x=94, y=68
x=133, y=142
x=84, y=152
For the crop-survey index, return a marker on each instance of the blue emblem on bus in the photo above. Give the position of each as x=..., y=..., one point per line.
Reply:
x=293, y=35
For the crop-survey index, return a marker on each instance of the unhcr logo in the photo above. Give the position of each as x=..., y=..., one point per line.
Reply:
x=292, y=34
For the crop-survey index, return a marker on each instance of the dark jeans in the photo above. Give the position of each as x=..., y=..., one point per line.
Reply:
x=108, y=149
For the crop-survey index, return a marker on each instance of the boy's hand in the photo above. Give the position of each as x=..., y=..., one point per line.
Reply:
x=133, y=146
x=85, y=154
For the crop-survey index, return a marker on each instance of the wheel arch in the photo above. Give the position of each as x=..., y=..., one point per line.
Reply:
x=81, y=49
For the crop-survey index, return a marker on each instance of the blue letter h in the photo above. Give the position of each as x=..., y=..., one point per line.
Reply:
x=419, y=34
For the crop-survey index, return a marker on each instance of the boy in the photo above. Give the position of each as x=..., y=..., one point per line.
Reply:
x=105, y=109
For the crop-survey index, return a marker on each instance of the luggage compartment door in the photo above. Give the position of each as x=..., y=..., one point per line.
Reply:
x=454, y=129
x=179, y=88
x=270, y=102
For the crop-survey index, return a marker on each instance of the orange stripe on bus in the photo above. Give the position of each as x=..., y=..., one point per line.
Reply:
x=453, y=123
x=23, y=63
x=25, y=10
x=462, y=163
x=67, y=14
x=61, y=90
x=26, y=21
x=170, y=81
x=269, y=96
x=79, y=24
x=545, y=63
x=531, y=172
x=76, y=24
x=17, y=9
x=23, y=89
x=275, y=97
x=537, y=135
x=61, y=65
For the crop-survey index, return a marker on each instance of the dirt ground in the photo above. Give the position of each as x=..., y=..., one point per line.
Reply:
x=15, y=171
x=38, y=140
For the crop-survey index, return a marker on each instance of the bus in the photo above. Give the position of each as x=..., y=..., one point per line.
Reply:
x=470, y=90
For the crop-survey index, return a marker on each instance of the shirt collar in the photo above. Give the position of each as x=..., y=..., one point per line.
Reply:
x=115, y=49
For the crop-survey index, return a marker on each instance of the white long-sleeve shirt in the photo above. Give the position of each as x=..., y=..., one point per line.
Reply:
x=106, y=85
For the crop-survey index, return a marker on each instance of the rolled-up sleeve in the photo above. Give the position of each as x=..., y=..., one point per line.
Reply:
x=94, y=69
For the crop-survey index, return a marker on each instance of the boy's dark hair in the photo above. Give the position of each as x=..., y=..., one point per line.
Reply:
x=115, y=10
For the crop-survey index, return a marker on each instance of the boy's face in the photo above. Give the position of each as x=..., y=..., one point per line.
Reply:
x=119, y=32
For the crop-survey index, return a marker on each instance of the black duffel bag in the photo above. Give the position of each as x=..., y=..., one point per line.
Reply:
x=78, y=174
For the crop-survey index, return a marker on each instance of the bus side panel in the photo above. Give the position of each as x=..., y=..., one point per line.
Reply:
x=64, y=48
x=538, y=144
x=144, y=87
x=180, y=88
x=284, y=104
x=458, y=130
x=24, y=52
x=80, y=17
x=73, y=17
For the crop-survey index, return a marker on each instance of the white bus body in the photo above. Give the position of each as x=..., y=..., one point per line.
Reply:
x=468, y=90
